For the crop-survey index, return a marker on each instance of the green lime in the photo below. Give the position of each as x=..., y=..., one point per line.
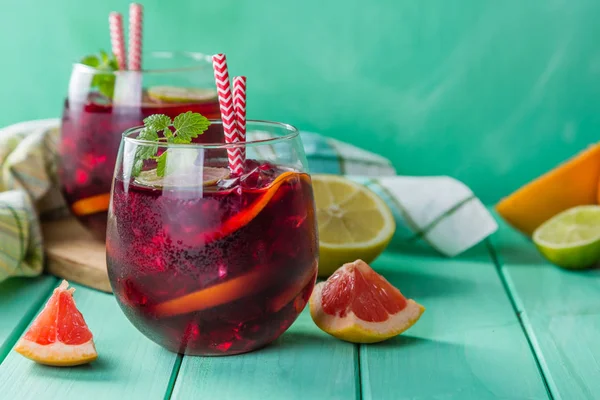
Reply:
x=182, y=179
x=571, y=239
x=174, y=94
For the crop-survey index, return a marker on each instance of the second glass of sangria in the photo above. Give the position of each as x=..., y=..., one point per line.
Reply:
x=103, y=102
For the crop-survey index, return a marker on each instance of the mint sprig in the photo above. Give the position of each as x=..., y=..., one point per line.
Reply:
x=103, y=62
x=188, y=126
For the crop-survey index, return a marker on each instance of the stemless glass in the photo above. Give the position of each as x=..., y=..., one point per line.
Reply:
x=101, y=105
x=204, y=262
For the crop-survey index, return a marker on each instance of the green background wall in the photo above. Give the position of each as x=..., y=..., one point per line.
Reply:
x=490, y=92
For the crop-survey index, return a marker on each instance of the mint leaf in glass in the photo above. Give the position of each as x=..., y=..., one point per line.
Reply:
x=161, y=164
x=187, y=126
x=157, y=122
x=104, y=79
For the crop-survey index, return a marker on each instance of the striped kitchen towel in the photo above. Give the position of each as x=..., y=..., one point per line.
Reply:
x=439, y=212
x=28, y=188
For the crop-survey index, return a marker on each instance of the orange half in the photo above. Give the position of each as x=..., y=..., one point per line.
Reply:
x=573, y=183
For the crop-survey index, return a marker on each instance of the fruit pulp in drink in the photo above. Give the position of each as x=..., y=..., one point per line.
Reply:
x=221, y=269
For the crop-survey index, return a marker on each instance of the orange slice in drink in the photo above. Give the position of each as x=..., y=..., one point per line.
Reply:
x=290, y=293
x=235, y=288
x=213, y=296
x=91, y=205
x=59, y=335
x=358, y=305
x=242, y=218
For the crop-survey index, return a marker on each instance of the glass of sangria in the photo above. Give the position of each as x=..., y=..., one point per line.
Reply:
x=204, y=261
x=103, y=102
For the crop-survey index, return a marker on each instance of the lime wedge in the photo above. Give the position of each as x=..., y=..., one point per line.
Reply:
x=354, y=223
x=174, y=94
x=183, y=179
x=571, y=239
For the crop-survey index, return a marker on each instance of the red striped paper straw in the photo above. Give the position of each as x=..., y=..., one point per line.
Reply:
x=227, y=112
x=117, y=40
x=136, y=17
x=239, y=107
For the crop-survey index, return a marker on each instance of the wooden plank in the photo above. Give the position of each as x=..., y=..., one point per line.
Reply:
x=129, y=365
x=468, y=344
x=560, y=310
x=74, y=254
x=304, y=363
x=20, y=299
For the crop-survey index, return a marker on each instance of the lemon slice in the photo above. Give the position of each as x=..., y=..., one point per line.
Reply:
x=354, y=223
x=182, y=179
x=571, y=239
x=174, y=94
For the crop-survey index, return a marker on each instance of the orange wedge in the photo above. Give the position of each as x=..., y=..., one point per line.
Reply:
x=59, y=335
x=91, y=205
x=573, y=183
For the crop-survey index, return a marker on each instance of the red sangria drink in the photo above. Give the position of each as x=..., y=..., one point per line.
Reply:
x=204, y=261
x=103, y=102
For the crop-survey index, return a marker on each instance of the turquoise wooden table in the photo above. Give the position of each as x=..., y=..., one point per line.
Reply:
x=501, y=323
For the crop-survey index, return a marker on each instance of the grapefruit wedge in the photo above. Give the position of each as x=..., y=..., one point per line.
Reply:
x=358, y=305
x=59, y=335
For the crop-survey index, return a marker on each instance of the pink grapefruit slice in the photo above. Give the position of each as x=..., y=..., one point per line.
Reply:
x=358, y=305
x=59, y=335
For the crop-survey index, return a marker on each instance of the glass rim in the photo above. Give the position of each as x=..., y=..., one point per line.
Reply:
x=201, y=60
x=293, y=133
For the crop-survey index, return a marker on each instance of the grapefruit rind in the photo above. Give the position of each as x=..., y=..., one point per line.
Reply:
x=57, y=354
x=352, y=329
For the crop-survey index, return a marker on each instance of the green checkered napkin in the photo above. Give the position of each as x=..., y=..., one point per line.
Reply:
x=438, y=212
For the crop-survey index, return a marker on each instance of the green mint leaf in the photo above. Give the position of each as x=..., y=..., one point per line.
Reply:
x=161, y=164
x=90, y=61
x=144, y=152
x=105, y=84
x=103, y=80
x=189, y=125
x=148, y=133
x=179, y=140
x=158, y=122
x=104, y=57
x=137, y=167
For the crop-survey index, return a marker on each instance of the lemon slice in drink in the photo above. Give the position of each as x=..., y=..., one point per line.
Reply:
x=571, y=239
x=182, y=179
x=354, y=223
x=174, y=94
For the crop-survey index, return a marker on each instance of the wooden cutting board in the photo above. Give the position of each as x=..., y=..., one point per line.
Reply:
x=74, y=254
